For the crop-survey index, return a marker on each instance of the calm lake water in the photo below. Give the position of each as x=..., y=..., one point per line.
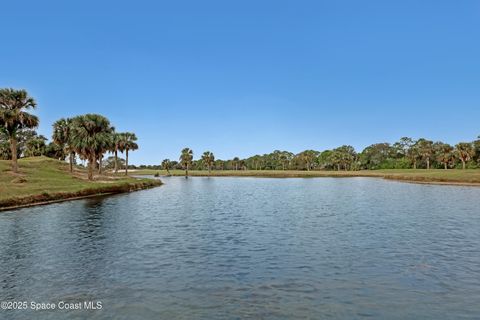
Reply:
x=236, y=248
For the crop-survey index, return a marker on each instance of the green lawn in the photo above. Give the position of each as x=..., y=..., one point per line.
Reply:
x=419, y=175
x=44, y=179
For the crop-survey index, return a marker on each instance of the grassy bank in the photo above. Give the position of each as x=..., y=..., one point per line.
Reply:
x=462, y=177
x=42, y=180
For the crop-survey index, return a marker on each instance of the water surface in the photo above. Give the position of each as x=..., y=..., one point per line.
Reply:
x=259, y=248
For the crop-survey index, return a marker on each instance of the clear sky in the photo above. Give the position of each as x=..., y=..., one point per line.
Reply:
x=246, y=77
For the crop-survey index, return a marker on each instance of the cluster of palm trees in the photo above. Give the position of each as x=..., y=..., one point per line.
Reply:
x=186, y=161
x=87, y=136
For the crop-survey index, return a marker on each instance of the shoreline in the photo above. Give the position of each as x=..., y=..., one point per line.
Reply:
x=434, y=183
x=409, y=176
x=47, y=198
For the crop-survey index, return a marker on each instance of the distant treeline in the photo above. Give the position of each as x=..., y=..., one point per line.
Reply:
x=90, y=137
x=407, y=153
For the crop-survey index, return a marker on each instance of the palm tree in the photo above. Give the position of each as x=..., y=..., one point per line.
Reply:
x=444, y=153
x=307, y=157
x=345, y=155
x=35, y=146
x=104, y=145
x=255, y=159
x=115, y=147
x=285, y=158
x=166, y=164
x=186, y=159
x=62, y=137
x=464, y=152
x=127, y=142
x=235, y=162
x=14, y=118
x=425, y=148
x=413, y=154
x=208, y=160
x=89, y=133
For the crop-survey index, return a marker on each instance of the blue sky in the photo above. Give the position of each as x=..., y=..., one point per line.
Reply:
x=246, y=77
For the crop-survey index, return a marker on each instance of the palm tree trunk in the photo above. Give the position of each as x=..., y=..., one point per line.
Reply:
x=428, y=163
x=116, y=160
x=209, y=170
x=91, y=163
x=445, y=164
x=126, y=161
x=463, y=164
x=100, y=158
x=13, y=147
x=186, y=171
x=71, y=161
x=414, y=164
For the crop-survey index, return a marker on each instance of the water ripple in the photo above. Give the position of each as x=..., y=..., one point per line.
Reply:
x=217, y=248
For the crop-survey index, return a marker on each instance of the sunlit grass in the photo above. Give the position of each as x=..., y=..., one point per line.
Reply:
x=45, y=176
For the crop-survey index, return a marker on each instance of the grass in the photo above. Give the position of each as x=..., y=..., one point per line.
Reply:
x=42, y=179
x=439, y=176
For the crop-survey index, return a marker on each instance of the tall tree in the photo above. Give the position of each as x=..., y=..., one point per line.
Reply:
x=376, y=155
x=128, y=142
x=115, y=146
x=14, y=117
x=285, y=158
x=104, y=145
x=444, y=153
x=88, y=134
x=208, y=160
x=235, y=162
x=404, y=145
x=344, y=156
x=413, y=155
x=166, y=164
x=464, y=152
x=307, y=157
x=62, y=137
x=186, y=159
x=425, y=149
